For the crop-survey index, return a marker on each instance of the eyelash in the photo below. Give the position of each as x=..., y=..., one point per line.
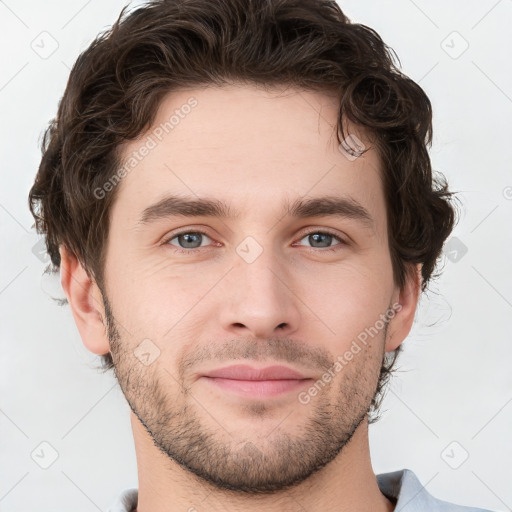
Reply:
x=303, y=235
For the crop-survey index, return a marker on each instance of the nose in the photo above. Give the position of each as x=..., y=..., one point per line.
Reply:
x=259, y=298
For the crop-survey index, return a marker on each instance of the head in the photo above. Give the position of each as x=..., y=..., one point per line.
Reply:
x=269, y=121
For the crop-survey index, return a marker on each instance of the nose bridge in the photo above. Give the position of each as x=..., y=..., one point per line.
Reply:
x=258, y=297
x=257, y=268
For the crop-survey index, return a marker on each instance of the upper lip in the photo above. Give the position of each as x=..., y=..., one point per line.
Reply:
x=244, y=372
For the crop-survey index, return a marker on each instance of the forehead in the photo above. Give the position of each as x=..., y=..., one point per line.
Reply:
x=251, y=148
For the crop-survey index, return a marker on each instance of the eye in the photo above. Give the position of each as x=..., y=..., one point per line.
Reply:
x=324, y=238
x=187, y=240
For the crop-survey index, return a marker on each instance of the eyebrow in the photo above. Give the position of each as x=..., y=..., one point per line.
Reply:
x=325, y=206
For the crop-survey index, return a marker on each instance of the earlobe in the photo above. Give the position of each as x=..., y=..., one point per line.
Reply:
x=407, y=298
x=85, y=300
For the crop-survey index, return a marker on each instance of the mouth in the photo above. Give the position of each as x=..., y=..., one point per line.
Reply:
x=257, y=382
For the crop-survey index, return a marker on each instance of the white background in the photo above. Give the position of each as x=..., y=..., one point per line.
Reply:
x=456, y=383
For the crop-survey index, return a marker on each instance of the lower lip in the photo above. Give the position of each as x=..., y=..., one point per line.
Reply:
x=259, y=388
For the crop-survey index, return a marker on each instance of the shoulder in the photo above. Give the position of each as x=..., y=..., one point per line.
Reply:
x=411, y=495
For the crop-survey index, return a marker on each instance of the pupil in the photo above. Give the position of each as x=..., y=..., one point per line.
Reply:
x=187, y=238
x=316, y=236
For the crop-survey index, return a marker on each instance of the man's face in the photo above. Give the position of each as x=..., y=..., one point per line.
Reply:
x=261, y=288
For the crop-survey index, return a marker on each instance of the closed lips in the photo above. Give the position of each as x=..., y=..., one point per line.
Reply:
x=244, y=372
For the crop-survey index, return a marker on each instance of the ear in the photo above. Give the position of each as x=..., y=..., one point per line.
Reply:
x=86, y=302
x=407, y=298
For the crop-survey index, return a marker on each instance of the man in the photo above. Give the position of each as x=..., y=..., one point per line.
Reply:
x=239, y=197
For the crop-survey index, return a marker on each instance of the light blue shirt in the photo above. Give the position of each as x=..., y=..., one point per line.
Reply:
x=402, y=485
x=411, y=496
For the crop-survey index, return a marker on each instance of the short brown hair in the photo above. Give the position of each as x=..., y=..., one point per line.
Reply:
x=117, y=83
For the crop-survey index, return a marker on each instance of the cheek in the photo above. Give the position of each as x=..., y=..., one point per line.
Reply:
x=346, y=300
x=158, y=300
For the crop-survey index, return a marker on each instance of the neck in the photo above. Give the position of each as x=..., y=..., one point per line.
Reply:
x=348, y=483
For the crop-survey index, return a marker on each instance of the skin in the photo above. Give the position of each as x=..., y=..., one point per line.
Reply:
x=199, y=447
